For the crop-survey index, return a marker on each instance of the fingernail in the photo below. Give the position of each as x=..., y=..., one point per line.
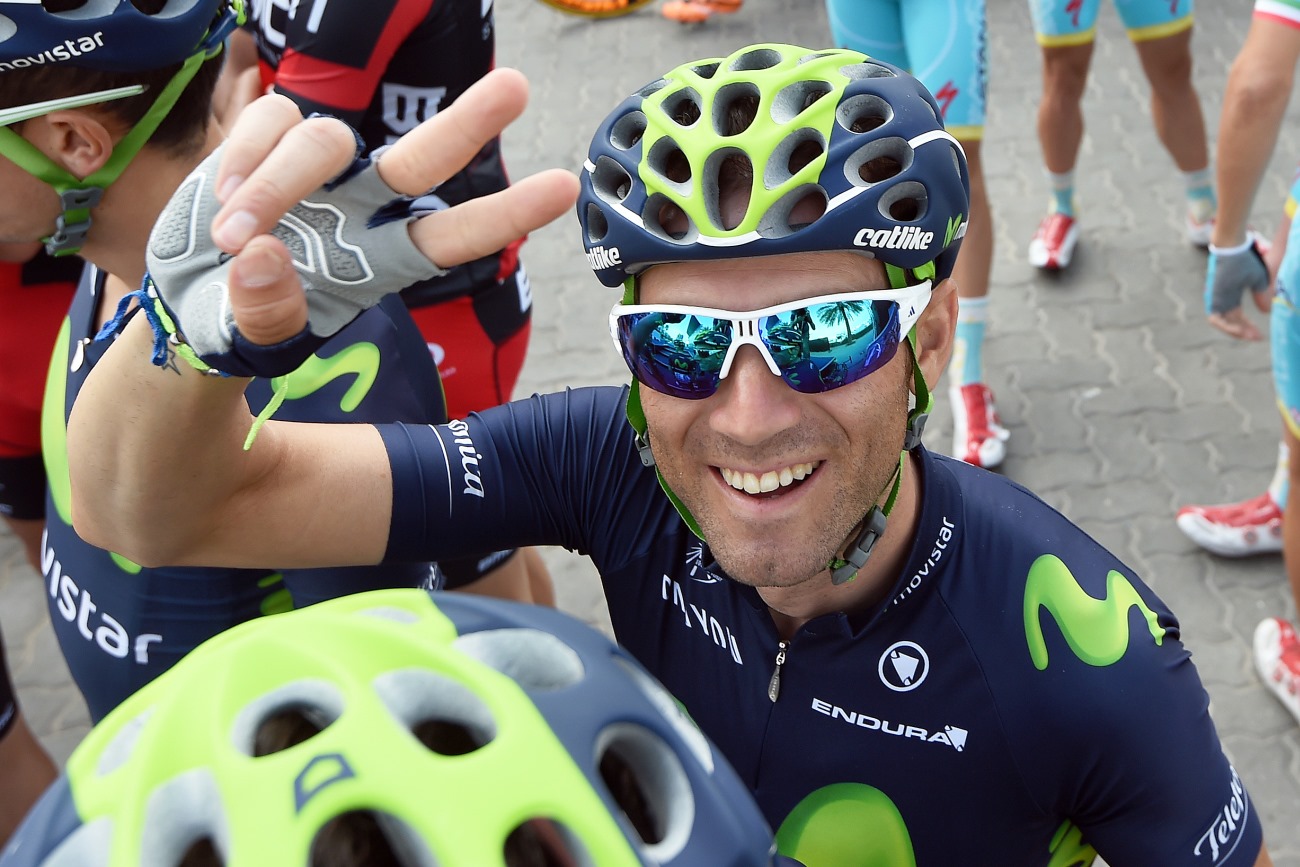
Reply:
x=229, y=186
x=257, y=268
x=235, y=231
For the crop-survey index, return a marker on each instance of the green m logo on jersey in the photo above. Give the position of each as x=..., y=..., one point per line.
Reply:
x=1095, y=629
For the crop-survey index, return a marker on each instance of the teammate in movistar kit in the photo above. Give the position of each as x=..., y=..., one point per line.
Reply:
x=91, y=153
x=1259, y=88
x=1161, y=31
x=943, y=45
x=909, y=660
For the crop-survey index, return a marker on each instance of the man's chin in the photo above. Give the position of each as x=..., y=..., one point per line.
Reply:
x=767, y=571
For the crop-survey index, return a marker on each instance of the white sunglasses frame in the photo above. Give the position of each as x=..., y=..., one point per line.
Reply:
x=912, y=301
x=20, y=113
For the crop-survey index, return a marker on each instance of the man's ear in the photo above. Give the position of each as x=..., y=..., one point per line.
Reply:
x=76, y=139
x=935, y=331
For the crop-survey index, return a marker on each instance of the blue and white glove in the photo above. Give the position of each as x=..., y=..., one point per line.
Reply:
x=1231, y=272
x=350, y=246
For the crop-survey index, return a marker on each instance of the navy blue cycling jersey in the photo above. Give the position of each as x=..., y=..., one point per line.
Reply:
x=118, y=625
x=1020, y=692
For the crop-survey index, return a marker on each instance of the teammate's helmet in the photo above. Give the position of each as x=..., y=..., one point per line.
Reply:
x=467, y=733
x=111, y=35
x=859, y=139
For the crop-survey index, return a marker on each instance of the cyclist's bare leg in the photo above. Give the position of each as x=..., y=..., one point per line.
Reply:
x=976, y=258
x=1060, y=112
x=1175, y=106
x=523, y=578
x=29, y=533
x=540, y=583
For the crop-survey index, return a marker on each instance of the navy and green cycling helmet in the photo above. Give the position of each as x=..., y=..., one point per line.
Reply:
x=387, y=728
x=111, y=36
x=860, y=136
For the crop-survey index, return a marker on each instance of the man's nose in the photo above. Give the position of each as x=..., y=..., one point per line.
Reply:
x=752, y=404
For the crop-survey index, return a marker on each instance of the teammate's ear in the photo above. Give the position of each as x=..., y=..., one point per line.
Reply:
x=935, y=330
x=76, y=139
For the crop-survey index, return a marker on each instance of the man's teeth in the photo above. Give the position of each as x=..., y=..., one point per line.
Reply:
x=769, y=481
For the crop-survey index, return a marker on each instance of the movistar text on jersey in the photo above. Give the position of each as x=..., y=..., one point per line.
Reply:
x=69, y=49
x=897, y=238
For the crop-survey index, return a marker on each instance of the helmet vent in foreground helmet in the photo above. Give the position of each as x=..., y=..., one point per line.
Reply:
x=443, y=714
x=368, y=838
x=793, y=99
x=184, y=822
x=626, y=132
x=799, y=150
x=288, y=715
x=905, y=202
x=610, y=181
x=544, y=843
x=203, y=853
x=867, y=69
x=164, y=8
x=704, y=70
x=863, y=113
x=645, y=778
x=878, y=161
x=728, y=174
x=796, y=209
x=759, y=58
x=652, y=88
x=536, y=660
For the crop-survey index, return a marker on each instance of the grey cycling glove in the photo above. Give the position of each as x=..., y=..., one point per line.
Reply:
x=349, y=242
x=1230, y=273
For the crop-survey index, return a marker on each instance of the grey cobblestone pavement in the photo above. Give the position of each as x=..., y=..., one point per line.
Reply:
x=1123, y=404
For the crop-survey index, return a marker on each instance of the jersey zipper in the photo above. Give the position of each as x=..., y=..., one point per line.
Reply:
x=774, y=685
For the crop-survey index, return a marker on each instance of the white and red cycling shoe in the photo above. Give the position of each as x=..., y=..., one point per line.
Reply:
x=1053, y=245
x=1277, y=659
x=978, y=436
x=1235, y=529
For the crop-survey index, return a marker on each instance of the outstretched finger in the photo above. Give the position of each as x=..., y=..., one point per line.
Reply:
x=445, y=143
x=256, y=131
x=475, y=228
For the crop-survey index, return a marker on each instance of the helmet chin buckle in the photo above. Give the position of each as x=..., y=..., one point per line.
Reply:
x=915, y=427
x=855, y=557
x=643, y=450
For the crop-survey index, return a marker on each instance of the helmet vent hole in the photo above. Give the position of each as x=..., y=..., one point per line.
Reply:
x=792, y=100
x=443, y=714
x=621, y=779
x=57, y=6
x=906, y=202
x=536, y=660
x=286, y=716
x=734, y=108
x=683, y=107
x=795, y=210
x=365, y=837
x=447, y=738
x=543, y=843
x=597, y=224
x=667, y=160
x=759, y=58
x=150, y=7
x=645, y=779
x=706, y=70
x=652, y=88
x=728, y=183
x=878, y=161
x=867, y=69
x=285, y=728
x=202, y=853
x=627, y=131
x=795, y=153
x=863, y=113
x=664, y=218
x=610, y=181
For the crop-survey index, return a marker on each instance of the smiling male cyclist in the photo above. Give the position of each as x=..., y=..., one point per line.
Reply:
x=908, y=659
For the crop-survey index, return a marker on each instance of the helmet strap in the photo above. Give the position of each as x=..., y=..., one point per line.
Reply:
x=845, y=569
x=78, y=196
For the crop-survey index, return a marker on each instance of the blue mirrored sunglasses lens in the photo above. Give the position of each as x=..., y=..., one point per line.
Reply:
x=817, y=348
x=825, y=346
x=673, y=353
